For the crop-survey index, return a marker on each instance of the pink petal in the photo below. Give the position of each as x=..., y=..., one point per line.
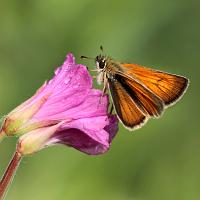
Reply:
x=90, y=135
x=69, y=88
x=91, y=107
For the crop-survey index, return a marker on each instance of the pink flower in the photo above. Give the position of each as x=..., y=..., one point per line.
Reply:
x=65, y=110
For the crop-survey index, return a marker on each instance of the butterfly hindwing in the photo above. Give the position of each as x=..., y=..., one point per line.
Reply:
x=149, y=103
x=128, y=112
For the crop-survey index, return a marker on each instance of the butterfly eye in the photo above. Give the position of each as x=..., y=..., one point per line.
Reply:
x=102, y=64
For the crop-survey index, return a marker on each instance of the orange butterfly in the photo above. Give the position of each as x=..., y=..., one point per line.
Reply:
x=137, y=92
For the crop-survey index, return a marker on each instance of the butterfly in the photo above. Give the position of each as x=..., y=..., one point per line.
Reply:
x=138, y=93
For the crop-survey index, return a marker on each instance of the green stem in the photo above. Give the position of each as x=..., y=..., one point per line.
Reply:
x=9, y=174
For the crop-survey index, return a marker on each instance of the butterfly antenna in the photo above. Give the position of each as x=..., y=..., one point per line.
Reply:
x=85, y=57
x=101, y=48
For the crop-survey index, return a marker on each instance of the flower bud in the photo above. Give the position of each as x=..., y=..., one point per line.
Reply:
x=36, y=140
x=19, y=119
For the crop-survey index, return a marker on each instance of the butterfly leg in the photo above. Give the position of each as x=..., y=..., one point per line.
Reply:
x=105, y=87
x=111, y=109
x=103, y=93
x=94, y=70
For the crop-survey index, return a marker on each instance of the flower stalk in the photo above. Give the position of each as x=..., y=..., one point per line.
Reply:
x=9, y=174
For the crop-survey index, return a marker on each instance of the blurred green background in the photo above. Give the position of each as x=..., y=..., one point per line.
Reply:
x=159, y=161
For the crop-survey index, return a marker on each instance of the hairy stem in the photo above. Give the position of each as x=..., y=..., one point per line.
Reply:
x=9, y=174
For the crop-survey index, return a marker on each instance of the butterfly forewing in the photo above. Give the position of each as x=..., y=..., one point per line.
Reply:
x=168, y=87
x=128, y=112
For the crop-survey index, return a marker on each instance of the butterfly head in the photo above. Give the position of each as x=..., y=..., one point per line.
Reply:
x=100, y=61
